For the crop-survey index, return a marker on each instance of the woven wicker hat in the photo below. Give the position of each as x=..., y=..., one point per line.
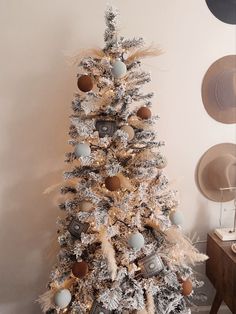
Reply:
x=219, y=90
x=217, y=169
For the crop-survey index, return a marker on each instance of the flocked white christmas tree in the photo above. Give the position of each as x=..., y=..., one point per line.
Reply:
x=121, y=250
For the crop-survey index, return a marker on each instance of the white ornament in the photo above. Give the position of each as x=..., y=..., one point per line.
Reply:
x=136, y=241
x=118, y=69
x=129, y=130
x=162, y=162
x=176, y=217
x=151, y=265
x=82, y=150
x=62, y=298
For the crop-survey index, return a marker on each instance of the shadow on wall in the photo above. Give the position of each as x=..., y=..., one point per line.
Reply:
x=202, y=224
x=202, y=219
x=31, y=161
x=28, y=227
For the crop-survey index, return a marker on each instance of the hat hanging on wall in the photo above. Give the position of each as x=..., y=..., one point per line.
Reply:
x=219, y=90
x=224, y=10
x=217, y=169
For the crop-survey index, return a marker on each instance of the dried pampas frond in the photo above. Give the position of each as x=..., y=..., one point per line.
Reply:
x=59, y=198
x=108, y=252
x=46, y=300
x=116, y=213
x=144, y=53
x=53, y=187
x=68, y=283
x=182, y=250
x=52, y=250
x=150, y=303
x=77, y=57
x=156, y=226
x=142, y=311
x=153, y=224
x=140, y=124
x=96, y=52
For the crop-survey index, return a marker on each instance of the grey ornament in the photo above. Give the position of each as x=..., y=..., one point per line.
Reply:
x=98, y=309
x=118, y=69
x=105, y=127
x=82, y=150
x=151, y=265
x=136, y=241
x=62, y=298
x=162, y=162
x=76, y=228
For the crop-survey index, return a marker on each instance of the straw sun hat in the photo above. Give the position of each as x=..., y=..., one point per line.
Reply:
x=219, y=90
x=217, y=169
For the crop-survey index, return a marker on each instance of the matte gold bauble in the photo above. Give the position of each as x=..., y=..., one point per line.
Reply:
x=129, y=130
x=85, y=83
x=112, y=183
x=144, y=113
x=80, y=269
x=187, y=287
x=124, y=182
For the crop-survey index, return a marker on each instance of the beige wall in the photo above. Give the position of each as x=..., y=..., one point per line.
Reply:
x=36, y=87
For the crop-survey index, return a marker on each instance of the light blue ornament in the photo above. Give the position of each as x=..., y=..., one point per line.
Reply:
x=82, y=150
x=62, y=298
x=136, y=241
x=118, y=69
x=176, y=217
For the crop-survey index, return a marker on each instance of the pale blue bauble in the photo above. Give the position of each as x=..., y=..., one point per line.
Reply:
x=136, y=241
x=62, y=298
x=176, y=217
x=82, y=150
x=118, y=69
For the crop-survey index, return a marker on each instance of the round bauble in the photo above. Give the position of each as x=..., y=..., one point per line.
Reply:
x=144, y=113
x=162, y=163
x=124, y=181
x=112, y=183
x=82, y=150
x=85, y=206
x=136, y=241
x=176, y=217
x=62, y=298
x=187, y=287
x=85, y=83
x=80, y=269
x=118, y=69
x=129, y=130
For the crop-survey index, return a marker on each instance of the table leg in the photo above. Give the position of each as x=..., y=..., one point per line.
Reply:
x=216, y=303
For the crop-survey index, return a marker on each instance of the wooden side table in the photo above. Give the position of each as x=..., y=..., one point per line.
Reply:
x=221, y=270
